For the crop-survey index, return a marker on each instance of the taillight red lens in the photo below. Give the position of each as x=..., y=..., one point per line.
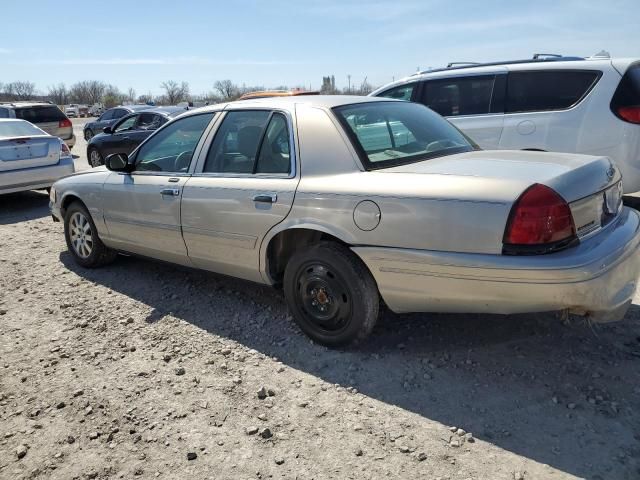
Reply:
x=539, y=217
x=64, y=123
x=630, y=114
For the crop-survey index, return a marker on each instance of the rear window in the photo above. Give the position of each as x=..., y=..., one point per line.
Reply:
x=40, y=114
x=459, y=96
x=18, y=128
x=387, y=134
x=547, y=90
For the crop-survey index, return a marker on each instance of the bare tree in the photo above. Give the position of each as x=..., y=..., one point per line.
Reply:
x=175, y=92
x=21, y=90
x=58, y=94
x=112, y=96
x=227, y=89
x=132, y=95
x=87, y=91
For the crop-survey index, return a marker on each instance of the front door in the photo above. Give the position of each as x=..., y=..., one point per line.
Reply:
x=142, y=208
x=243, y=187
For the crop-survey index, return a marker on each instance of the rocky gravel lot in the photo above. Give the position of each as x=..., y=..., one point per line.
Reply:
x=146, y=370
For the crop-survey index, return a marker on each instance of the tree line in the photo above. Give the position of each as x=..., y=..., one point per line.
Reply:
x=89, y=92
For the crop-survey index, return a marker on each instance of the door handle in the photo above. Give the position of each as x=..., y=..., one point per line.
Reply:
x=266, y=198
x=174, y=192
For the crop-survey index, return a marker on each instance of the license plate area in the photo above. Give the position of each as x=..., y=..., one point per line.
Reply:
x=592, y=213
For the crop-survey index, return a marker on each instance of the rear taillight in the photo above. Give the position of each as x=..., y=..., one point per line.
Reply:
x=625, y=103
x=64, y=123
x=630, y=114
x=540, y=222
x=64, y=150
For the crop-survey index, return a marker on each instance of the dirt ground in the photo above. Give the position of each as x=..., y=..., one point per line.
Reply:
x=146, y=370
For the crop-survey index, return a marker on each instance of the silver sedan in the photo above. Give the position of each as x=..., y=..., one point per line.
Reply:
x=344, y=201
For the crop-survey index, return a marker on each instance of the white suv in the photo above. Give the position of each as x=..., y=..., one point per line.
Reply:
x=551, y=103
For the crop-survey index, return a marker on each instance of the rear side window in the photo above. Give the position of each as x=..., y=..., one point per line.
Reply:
x=626, y=100
x=108, y=115
x=547, y=90
x=459, y=96
x=119, y=113
x=149, y=121
x=4, y=113
x=40, y=114
x=403, y=92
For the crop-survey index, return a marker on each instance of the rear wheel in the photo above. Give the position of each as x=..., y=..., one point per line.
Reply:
x=82, y=238
x=95, y=159
x=332, y=295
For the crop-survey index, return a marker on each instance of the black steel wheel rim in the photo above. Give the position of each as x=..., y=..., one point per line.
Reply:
x=323, y=297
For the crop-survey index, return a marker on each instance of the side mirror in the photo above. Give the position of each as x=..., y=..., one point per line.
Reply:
x=118, y=162
x=107, y=130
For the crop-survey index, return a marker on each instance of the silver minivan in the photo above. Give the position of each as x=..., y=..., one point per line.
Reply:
x=46, y=116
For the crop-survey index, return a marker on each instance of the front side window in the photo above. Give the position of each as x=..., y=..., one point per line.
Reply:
x=126, y=124
x=459, y=96
x=235, y=146
x=4, y=113
x=547, y=90
x=119, y=113
x=403, y=92
x=108, y=115
x=387, y=134
x=171, y=149
x=149, y=121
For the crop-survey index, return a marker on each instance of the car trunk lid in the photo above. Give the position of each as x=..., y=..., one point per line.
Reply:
x=28, y=152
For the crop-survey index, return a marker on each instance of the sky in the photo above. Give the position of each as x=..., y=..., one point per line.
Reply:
x=139, y=43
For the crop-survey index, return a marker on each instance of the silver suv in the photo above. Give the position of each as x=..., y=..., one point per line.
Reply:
x=45, y=116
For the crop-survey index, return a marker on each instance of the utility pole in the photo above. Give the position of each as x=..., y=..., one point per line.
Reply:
x=349, y=77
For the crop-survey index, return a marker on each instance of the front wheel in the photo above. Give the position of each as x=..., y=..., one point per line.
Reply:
x=82, y=238
x=95, y=159
x=88, y=135
x=331, y=294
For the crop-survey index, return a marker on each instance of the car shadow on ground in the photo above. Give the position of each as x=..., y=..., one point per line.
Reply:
x=523, y=383
x=22, y=206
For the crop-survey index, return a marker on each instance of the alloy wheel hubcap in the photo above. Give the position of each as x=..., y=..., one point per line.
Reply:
x=323, y=297
x=95, y=158
x=81, y=235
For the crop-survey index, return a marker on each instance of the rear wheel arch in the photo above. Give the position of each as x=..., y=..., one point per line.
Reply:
x=283, y=244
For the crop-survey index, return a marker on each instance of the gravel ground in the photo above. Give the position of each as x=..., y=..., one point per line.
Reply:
x=146, y=370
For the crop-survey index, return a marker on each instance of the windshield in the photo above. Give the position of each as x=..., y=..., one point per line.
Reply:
x=387, y=134
x=19, y=128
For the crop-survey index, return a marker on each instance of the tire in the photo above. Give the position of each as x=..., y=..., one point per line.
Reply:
x=94, y=158
x=88, y=134
x=83, y=242
x=331, y=294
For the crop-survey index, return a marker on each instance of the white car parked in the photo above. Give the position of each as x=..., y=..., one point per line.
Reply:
x=550, y=103
x=30, y=158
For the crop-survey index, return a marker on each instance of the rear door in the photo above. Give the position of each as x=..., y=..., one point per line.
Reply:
x=242, y=188
x=471, y=102
x=543, y=109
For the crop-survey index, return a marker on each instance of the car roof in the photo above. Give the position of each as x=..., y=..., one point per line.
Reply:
x=553, y=63
x=289, y=102
x=169, y=110
x=26, y=104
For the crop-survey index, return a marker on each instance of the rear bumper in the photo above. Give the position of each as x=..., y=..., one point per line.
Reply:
x=35, y=178
x=596, y=278
x=70, y=141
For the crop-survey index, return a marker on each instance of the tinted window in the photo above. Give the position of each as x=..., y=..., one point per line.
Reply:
x=547, y=90
x=235, y=146
x=119, y=113
x=459, y=96
x=126, y=124
x=171, y=149
x=275, y=152
x=4, y=113
x=108, y=115
x=403, y=92
x=149, y=121
x=395, y=133
x=40, y=114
